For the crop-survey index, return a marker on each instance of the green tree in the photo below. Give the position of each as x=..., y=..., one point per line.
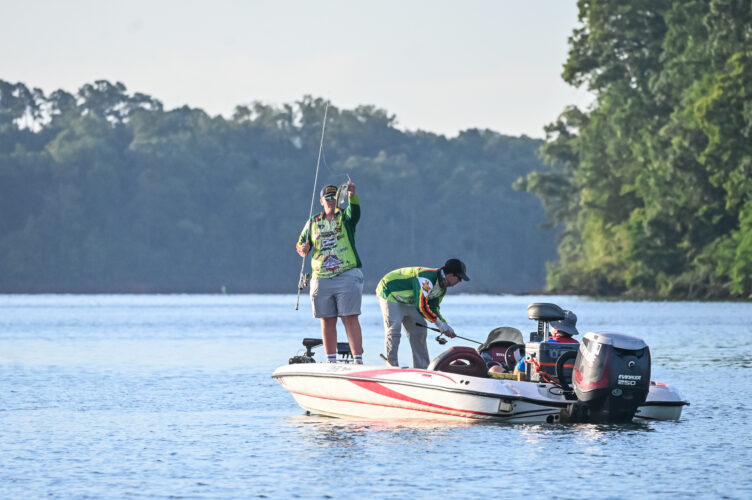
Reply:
x=105, y=191
x=657, y=172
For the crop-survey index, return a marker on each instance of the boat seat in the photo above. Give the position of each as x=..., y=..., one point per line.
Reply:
x=544, y=311
x=460, y=360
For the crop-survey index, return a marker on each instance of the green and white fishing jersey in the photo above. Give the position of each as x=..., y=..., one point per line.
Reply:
x=333, y=242
x=416, y=286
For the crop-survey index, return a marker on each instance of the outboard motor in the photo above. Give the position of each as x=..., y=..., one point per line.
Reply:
x=611, y=377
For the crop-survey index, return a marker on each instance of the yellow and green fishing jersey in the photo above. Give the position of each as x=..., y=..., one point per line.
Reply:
x=333, y=242
x=415, y=286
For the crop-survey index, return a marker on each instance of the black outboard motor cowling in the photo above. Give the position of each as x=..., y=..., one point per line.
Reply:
x=611, y=376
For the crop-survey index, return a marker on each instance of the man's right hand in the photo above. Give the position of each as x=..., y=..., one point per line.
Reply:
x=303, y=249
x=449, y=332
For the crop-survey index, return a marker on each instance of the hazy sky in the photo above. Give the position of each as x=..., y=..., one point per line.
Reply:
x=441, y=66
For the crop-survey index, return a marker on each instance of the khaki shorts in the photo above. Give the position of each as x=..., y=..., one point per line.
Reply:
x=337, y=296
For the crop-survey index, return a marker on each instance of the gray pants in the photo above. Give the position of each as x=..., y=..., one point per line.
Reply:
x=396, y=316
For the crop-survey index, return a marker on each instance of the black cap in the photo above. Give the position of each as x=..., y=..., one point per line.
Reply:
x=328, y=191
x=456, y=267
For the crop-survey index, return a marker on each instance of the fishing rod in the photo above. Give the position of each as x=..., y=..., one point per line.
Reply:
x=305, y=278
x=439, y=339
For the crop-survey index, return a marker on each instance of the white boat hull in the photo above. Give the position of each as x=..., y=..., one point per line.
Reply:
x=663, y=403
x=377, y=392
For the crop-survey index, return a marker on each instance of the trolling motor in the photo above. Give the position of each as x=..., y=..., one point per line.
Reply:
x=309, y=344
x=343, y=350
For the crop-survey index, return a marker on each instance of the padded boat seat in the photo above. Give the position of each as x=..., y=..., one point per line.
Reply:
x=461, y=360
x=544, y=311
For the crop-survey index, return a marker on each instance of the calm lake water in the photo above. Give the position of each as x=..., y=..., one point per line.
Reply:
x=170, y=397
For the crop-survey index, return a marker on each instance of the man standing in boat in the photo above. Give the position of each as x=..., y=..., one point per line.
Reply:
x=337, y=285
x=411, y=296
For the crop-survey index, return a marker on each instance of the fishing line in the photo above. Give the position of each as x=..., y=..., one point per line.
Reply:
x=318, y=162
x=334, y=172
x=303, y=281
x=342, y=193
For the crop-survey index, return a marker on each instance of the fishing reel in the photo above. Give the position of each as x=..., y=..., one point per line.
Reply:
x=441, y=340
x=305, y=279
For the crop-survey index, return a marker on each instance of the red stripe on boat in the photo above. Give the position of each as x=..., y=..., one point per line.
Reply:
x=470, y=412
x=390, y=393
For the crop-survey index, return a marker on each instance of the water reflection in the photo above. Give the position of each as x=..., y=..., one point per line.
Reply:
x=326, y=431
x=345, y=433
x=532, y=434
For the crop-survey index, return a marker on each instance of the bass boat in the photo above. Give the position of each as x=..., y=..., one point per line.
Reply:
x=606, y=378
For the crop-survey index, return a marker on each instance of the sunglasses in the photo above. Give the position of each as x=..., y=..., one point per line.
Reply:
x=330, y=197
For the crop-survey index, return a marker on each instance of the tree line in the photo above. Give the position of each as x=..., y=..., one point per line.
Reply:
x=104, y=190
x=652, y=184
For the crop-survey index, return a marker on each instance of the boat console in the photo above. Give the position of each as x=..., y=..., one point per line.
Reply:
x=546, y=355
